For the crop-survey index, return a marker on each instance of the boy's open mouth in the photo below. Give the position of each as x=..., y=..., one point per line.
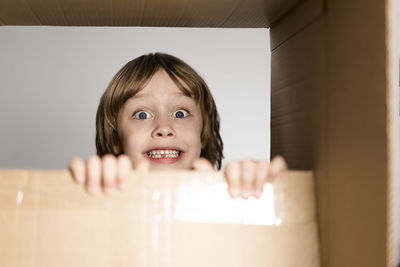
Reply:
x=164, y=155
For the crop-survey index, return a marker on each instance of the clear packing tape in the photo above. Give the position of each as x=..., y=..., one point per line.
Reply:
x=161, y=219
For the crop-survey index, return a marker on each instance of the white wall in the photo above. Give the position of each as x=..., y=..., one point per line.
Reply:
x=51, y=79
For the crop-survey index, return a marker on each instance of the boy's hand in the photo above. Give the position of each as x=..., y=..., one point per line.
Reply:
x=247, y=178
x=244, y=178
x=108, y=173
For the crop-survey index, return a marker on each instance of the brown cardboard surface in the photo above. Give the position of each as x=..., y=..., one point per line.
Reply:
x=357, y=140
x=295, y=83
x=343, y=59
x=175, y=13
x=47, y=220
x=299, y=18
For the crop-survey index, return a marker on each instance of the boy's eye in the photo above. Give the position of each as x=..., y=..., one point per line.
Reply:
x=181, y=113
x=141, y=115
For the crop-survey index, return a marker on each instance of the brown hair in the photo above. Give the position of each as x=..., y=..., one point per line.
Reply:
x=132, y=78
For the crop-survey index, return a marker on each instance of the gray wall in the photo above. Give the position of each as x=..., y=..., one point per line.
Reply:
x=51, y=79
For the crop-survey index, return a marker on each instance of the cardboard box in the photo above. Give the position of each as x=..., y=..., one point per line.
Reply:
x=335, y=100
x=161, y=219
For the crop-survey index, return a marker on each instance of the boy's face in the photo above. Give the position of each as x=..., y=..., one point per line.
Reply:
x=162, y=125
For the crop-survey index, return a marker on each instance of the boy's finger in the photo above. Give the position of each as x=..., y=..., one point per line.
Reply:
x=202, y=164
x=232, y=175
x=248, y=174
x=93, y=166
x=261, y=177
x=109, y=171
x=142, y=166
x=277, y=165
x=124, y=166
x=77, y=170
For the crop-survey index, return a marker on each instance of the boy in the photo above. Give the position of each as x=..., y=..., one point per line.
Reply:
x=158, y=114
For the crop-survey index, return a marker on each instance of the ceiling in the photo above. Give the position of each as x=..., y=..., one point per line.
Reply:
x=161, y=13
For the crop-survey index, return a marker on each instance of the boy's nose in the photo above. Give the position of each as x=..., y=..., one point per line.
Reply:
x=163, y=131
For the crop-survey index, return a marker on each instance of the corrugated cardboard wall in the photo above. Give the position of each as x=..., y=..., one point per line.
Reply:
x=172, y=13
x=336, y=69
x=357, y=182
x=296, y=71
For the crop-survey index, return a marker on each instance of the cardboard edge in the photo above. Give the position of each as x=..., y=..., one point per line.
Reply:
x=393, y=117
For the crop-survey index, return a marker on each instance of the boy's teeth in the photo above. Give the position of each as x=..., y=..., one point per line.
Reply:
x=163, y=153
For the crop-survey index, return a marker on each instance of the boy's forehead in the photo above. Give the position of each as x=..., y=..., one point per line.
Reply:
x=176, y=97
x=161, y=86
x=144, y=94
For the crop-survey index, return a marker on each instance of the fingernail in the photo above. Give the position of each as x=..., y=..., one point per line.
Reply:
x=246, y=194
x=122, y=185
x=80, y=178
x=258, y=193
x=271, y=177
x=108, y=190
x=234, y=192
x=93, y=189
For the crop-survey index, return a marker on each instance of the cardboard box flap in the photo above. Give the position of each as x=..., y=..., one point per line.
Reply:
x=289, y=200
x=176, y=13
x=161, y=219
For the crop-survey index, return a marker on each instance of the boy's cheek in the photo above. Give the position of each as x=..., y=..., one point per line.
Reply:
x=132, y=149
x=195, y=146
